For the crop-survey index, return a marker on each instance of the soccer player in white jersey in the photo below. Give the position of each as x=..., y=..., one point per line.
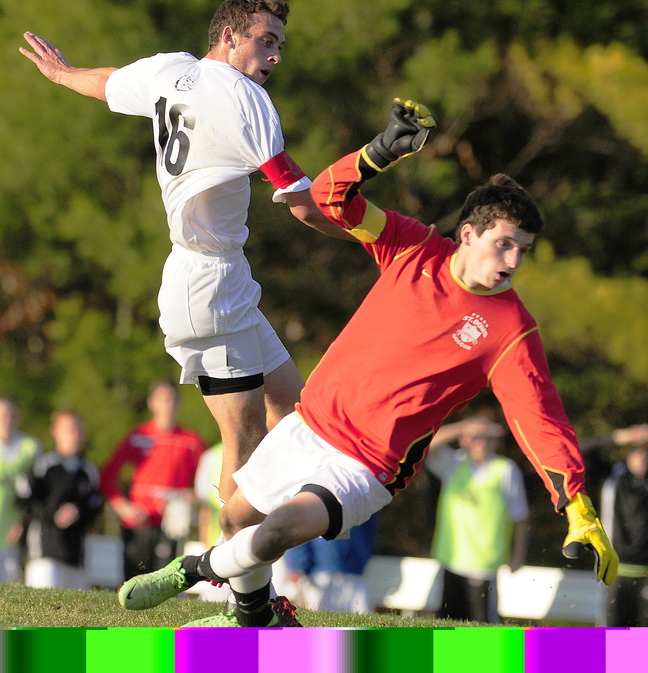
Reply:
x=213, y=126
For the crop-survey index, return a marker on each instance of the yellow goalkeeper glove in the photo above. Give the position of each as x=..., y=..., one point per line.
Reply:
x=585, y=530
x=405, y=134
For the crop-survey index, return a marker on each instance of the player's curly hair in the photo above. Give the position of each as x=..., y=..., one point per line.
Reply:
x=500, y=198
x=238, y=15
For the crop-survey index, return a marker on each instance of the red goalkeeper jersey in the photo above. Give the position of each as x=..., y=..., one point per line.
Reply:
x=421, y=346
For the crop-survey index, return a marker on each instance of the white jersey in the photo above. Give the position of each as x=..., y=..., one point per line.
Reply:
x=213, y=127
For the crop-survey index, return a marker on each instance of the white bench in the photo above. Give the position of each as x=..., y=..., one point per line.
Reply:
x=414, y=585
x=404, y=583
x=550, y=593
x=104, y=560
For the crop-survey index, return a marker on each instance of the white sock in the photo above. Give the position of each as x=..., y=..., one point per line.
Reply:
x=255, y=579
x=234, y=557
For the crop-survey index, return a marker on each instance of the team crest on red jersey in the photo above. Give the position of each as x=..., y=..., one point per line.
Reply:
x=474, y=327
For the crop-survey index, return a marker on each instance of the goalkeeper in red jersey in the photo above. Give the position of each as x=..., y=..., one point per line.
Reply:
x=441, y=323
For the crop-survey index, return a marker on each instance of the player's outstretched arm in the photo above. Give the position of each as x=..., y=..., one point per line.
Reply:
x=303, y=207
x=585, y=530
x=293, y=188
x=335, y=190
x=52, y=62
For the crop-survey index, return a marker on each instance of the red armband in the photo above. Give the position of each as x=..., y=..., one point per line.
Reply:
x=282, y=171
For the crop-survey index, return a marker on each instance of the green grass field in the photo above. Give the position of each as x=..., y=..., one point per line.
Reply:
x=22, y=606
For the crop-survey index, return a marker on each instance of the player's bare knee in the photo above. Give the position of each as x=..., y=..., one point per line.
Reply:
x=232, y=519
x=227, y=525
x=238, y=513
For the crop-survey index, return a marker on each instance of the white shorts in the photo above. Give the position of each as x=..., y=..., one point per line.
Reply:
x=210, y=318
x=292, y=455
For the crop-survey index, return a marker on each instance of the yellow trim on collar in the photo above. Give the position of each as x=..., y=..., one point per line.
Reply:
x=502, y=288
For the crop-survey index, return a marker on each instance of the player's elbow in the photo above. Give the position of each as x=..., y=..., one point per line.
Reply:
x=308, y=214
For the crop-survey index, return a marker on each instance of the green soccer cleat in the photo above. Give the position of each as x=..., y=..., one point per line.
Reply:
x=227, y=620
x=146, y=591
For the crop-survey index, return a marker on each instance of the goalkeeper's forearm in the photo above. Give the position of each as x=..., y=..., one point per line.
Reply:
x=335, y=192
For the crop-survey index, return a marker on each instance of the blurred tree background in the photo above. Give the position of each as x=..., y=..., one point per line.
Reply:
x=554, y=93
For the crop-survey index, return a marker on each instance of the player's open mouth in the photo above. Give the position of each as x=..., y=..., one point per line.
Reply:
x=266, y=73
x=503, y=275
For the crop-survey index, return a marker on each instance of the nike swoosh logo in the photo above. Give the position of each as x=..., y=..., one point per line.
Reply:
x=129, y=595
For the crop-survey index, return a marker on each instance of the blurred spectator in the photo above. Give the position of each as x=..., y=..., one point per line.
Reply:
x=59, y=500
x=206, y=490
x=482, y=517
x=17, y=452
x=156, y=514
x=624, y=511
x=328, y=574
x=597, y=456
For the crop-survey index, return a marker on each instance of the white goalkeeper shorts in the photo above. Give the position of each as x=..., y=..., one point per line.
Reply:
x=292, y=455
x=210, y=318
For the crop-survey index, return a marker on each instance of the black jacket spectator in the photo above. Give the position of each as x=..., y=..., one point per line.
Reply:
x=53, y=481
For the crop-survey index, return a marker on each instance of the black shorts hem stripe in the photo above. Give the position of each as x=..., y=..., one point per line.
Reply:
x=211, y=386
x=333, y=507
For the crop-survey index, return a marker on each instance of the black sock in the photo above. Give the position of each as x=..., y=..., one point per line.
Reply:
x=254, y=609
x=190, y=566
x=205, y=569
x=198, y=568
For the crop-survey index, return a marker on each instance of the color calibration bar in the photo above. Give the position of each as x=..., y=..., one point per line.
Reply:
x=408, y=650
